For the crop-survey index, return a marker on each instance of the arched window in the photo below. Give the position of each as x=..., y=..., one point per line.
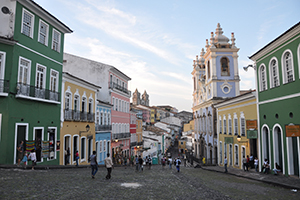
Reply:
x=208, y=69
x=225, y=67
x=262, y=78
x=273, y=68
x=287, y=67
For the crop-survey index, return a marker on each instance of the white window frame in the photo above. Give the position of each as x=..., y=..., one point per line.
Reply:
x=91, y=105
x=236, y=155
x=283, y=67
x=77, y=106
x=220, y=125
x=271, y=75
x=97, y=117
x=262, y=78
x=55, y=79
x=56, y=42
x=82, y=159
x=55, y=143
x=224, y=124
x=113, y=103
x=31, y=27
x=38, y=73
x=84, y=99
x=2, y=65
x=116, y=109
x=70, y=99
x=101, y=117
x=229, y=125
x=28, y=70
x=235, y=124
x=46, y=34
x=242, y=125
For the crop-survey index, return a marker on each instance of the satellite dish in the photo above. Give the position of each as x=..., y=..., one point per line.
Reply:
x=5, y=10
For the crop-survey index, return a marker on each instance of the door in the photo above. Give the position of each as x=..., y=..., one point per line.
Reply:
x=38, y=144
x=295, y=156
x=21, y=136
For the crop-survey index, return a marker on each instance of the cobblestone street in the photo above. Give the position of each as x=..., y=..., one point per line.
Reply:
x=157, y=183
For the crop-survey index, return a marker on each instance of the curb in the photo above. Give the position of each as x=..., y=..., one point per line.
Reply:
x=265, y=181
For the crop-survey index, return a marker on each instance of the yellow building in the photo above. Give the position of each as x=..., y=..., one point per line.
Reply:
x=152, y=115
x=189, y=126
x=77, y=119
x=139, y=135
x=237, y=133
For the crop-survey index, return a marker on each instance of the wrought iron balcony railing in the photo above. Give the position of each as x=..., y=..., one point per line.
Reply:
x=99, y=127
x=120, y=135
x=76, y=115
x=113, y=85
x=40, y=93
x=4, y=86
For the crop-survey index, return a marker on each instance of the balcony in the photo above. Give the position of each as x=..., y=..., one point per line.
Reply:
x=132, y=144
x=140, y=143
x=34, y=93
x=76, y=115
x=112, y=85
x=120, y=136
x=4, y=86
x=99, y=127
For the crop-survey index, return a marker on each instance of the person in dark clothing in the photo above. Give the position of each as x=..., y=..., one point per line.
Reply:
x=140, y=163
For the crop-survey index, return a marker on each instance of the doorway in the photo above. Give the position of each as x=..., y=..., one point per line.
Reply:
x=38, y=144
x=21, y=135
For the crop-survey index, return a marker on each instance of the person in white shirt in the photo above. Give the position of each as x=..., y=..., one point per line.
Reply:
x=170, y=162
x=256, y=164
x=108, y=165
x=32, y=156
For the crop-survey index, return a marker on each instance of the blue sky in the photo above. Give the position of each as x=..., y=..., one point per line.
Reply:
x=155, y=42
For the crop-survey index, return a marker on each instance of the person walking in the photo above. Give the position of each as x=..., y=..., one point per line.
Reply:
x=136, y=163
x=109, y=165
x=178, y=162
x=248, y=163
x=24, y=160
x=225, y=164
x=32, y=157
x=68, y=155
x=184, y=160
x=94, y=165
x=245, y=163
x=141, y=168
x=76, y=158
x=132, y=160
x=20, y=152
x=125, y=162
x=256, y=164
x=170, y=162
x=149, y=162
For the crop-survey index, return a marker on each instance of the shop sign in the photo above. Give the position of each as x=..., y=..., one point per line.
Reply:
x=292, y=130
x=251, y=124
x=228, y=140
x=251, y=134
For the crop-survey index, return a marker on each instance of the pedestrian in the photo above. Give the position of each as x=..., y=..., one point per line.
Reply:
x=184, y=159
x=94, y=165
x=276, y=169
x=76, y=158
x=256, y=164
x=149, y=162
x=32, y=157
x=248, y=162
x=178, y=162
x=225, y=164
x=163, y=162
x=132, y=160
x=266, y=167
x=109, y=165
x=136, y=163
x=244, y=163
x=24, y=160
x=170, y=162
x=146, y=160
x=65, y=152
x=125, y=162
x=20, y=149
x=68, y=155
x=141, y=168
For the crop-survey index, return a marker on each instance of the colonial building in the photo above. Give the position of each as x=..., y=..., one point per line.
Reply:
x=277, y=71
x=31, y=59
x=114, y=91
x=215, y=78
x=77, y=119
x=237, y=129
x=137, y=100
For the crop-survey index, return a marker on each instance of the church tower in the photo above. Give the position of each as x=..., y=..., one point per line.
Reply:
x=136, y=98
x=145, y=99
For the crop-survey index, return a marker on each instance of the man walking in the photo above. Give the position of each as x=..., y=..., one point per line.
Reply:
x=108, y=165
x=225, y=164
x=20, y=152
x=178, y=162
x=94, y=165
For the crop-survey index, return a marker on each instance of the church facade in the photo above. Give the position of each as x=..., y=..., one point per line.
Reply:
x=137, y=100
x=215, y=79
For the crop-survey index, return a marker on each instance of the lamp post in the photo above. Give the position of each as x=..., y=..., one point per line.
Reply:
x=87, y=128
x=239, y=138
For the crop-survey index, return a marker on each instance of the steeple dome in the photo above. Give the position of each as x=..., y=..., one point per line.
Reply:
x=220, y=39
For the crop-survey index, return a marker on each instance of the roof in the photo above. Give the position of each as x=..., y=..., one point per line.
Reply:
x=276, y=39
x=68, y=74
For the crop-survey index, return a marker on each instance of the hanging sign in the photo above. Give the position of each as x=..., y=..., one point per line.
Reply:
x=228, y=140
x=251, y=134
x=251, y=124
x=292, y=130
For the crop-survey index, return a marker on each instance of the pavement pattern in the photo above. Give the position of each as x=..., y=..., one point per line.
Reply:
x=156, y=183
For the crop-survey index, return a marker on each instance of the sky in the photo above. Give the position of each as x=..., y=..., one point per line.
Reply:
x=155, y=42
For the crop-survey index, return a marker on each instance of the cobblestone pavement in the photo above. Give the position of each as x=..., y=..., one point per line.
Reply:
x=157, y=183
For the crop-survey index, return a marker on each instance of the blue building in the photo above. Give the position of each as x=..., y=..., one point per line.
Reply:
x=103, y=130
x=216, y=78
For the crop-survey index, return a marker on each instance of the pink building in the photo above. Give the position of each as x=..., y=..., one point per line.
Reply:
x=146, y=113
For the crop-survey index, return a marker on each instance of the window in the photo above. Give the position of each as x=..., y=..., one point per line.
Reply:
x=287, y=67
x=235, y=123
x=105, y=119
x=83, y=141
x=220, y=125
x=56, y=40
x=90, y=106
x=83, y=104
x=225, y=67
x=2, y=67
x=53, y=81
x=274, y=78
x=76, y=103
x=221, y=152
x=24, y=71
x=225, y=149
x=208, y=69
x=67, y=101
x=120, y=105
x=116, y=105
x=104, y=146
x=97, y=117
x=43, y=33
x=230, y=154
x=108, y=118
x=113, y=103
x=90, y=147
x=27, y=23
x=40, y=76
x=101, y=118
x=224, y=123
x=262, y=78
x=236, y=153
x=243, y=126
x=229, y=125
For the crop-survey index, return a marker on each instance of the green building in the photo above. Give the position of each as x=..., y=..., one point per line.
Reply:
x=31, y=60
x=277, y=70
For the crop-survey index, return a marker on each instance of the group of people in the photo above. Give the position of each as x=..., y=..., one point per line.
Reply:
x=170, y=162
x=139, y=162
x=94, y=165
x=23, y=157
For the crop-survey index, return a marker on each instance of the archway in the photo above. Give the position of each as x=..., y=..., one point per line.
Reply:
x=278, y=148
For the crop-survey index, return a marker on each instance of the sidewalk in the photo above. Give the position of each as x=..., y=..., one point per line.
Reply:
x=289, y=182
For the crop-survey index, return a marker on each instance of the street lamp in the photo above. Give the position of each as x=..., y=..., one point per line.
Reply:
x=246, y=68
x=238, y=138
x=87, y=128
